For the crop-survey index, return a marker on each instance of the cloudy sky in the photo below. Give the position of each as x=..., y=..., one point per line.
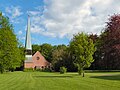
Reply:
x=55, y=21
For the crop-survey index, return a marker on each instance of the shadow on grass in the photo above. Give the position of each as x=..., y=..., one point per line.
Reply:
x=53, y=76
x=108, y=77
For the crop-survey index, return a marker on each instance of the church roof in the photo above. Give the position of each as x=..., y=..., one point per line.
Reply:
x=40, y=55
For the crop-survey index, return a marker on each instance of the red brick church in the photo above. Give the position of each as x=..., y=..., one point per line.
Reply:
x=37, y=60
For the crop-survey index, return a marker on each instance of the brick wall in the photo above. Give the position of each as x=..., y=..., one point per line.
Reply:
x=38, y=61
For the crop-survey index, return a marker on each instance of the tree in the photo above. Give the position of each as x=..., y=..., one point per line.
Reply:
x=68, y=61
x=82, y=49
x=10, y=57
x=46, y=51
x=97, y=64
x=35, y=48
x=58, y=57
x=111, y=43
x=22, y=56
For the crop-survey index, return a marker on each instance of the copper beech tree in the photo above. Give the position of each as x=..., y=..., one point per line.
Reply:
x=111, y=43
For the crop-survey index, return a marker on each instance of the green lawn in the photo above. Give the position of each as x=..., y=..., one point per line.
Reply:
x=56, y=81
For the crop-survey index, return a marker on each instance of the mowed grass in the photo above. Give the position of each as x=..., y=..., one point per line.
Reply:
x=56, y=81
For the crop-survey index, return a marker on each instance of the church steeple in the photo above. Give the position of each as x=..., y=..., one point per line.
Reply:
x=37, y=60
x=28, y=45
x=28, y=36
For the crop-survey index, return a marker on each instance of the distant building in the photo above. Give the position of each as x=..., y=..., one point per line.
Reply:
x=37, y=60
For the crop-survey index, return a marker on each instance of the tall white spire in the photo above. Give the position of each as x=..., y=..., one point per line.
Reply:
x=28, y=45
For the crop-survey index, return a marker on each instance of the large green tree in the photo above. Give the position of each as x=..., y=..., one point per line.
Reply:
x=22, y=56
x=35, y=48
x=59, y=57
x=46, y=51
x=98, y=62
x=82, y=49
x=10, y=57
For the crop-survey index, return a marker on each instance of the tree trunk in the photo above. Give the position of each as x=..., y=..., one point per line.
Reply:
x=83, y=73
x=1, y=69
x=80, y=69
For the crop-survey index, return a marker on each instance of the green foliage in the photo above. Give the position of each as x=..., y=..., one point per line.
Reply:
x=46, y=51
x=28, y=70
x=22, y=54
x=1, y=68
x=37, y=70
x=63, y=70
x=35, y=48
x=82, y=49
x=43, y=70
x=98, y=55
x=59, y=57
x=47, y=70
x=10, y=56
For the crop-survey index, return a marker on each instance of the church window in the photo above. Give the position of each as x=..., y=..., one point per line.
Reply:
x=38, y=58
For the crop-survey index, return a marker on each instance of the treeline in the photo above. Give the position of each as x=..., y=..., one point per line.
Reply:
x=83, y=52
x=75, y=57
x=57, y=55
x=106, y=56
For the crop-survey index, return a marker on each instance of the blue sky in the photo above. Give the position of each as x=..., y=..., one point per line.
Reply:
x=55, y=21
x=19, y=20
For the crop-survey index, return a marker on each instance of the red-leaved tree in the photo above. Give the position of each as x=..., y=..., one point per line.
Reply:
x=111, y=43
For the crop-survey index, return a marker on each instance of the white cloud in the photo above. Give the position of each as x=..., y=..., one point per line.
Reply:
x=34, y=13
x=13, y=12
x=20, y=32
x=63, y=18
x=22, y=38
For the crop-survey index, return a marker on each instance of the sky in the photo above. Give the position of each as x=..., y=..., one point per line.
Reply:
x=56, y=21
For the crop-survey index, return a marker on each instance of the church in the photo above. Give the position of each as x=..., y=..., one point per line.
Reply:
x=37, y=60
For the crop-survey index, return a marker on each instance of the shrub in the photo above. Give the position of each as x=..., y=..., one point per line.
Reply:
x=47, y=70
x=28, y=70
x=63, y=70
x=38, y=69
x=43, y=70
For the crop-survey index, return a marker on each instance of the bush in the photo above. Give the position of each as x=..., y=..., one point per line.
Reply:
x=47, y=70
x=37, y=70
x=1, y=69
x=12, y=69
x=28, y=70
x=63, y=70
